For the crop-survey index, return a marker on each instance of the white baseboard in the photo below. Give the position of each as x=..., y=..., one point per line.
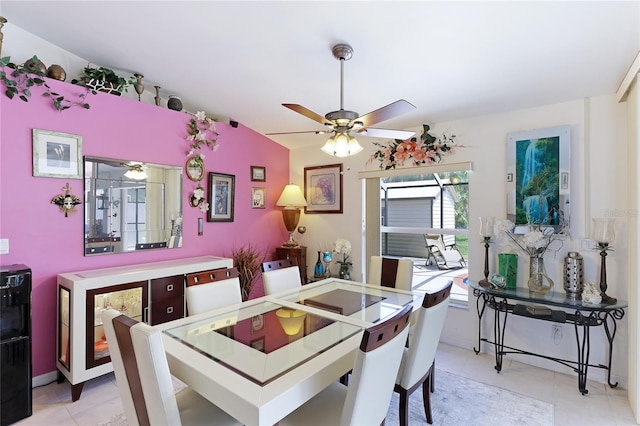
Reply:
x=44, y=379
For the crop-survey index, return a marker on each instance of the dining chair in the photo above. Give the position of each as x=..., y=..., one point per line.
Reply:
x=280, y=275
x=390, y=272
x=366, y=400
x=144, y=381
x=441, y=254
x=212, y=289
x=418, y=361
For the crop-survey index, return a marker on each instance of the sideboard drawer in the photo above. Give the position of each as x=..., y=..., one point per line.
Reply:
x=167, y=299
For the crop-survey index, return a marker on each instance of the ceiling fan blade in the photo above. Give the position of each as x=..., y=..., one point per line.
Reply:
x=317, y=132
x=386, y=112
x=308, y=113
x=386, y=133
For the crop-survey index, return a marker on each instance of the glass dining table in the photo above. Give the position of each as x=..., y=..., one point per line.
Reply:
x=263, y=358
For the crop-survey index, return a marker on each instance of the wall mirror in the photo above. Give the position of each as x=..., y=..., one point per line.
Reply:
x=538, y=177
x=131, y=206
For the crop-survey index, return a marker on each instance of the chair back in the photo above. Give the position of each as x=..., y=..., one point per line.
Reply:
x=213, y=289
x=155, y=376
x=280, y=275
x=390, y=272
x=375, y=371
x=127, y=379
x=424, y=339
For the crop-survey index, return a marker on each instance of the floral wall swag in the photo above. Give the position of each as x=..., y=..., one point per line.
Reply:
x=202, y=132
x=428, y=150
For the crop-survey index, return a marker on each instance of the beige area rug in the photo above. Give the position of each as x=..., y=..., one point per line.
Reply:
x=457, y=401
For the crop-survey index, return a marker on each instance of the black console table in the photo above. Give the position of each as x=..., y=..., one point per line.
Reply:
x=561, y=309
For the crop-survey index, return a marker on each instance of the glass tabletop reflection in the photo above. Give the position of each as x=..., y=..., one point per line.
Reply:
x=367, y=303
x=264, y=340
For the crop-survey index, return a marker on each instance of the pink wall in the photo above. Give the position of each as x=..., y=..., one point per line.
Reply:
x=43, y=239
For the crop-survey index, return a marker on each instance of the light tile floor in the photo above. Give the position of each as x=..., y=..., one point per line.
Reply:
x=602, y=406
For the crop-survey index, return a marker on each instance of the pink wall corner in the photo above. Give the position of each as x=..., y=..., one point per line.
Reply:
x=114, y=127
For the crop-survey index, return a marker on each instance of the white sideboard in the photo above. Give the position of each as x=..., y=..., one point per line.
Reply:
x=150, y=292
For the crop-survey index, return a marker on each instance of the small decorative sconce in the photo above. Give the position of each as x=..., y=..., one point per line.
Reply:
x=604, y=234
x=486, y=232
x=66, y=201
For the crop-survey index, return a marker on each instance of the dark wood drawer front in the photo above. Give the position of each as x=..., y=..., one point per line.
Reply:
x=167, y=299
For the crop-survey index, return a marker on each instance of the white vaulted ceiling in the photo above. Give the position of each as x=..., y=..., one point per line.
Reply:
x=450, y=59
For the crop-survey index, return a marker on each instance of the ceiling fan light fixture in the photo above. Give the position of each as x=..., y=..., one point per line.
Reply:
x=342, y=145
x=136, y=172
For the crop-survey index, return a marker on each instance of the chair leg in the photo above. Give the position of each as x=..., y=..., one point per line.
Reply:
x=426, y=399
x=403, y=408
x=432, y=375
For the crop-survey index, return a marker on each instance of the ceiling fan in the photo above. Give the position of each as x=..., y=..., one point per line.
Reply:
x=343, y=122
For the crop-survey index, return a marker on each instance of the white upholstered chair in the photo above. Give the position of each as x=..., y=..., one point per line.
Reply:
x=366, y=400
x=418, y=361
x=144, y=380
x=213, y=289
x=390, y=272
x=280, y=275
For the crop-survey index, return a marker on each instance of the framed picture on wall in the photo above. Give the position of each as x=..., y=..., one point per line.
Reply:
x=258, y=174
x=57, y=154
x=221, y=197
x=257, y=198
x=323, y=189
x=539, y=164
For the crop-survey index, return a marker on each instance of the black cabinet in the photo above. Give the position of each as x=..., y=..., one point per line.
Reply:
x=15, y=343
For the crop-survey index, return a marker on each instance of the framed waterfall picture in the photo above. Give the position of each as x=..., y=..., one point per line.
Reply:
x=538, y=176
x=323, y=189
x=57, y=154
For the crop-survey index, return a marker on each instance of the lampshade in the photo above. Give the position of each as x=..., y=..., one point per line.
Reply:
x=486, y=226
x=136, y=172
x=291, y=320
x=342, y=145
x=603, y=230
x=291, y=197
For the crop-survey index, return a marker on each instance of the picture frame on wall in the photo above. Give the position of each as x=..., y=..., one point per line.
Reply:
x=57, y=154
x=257, y=198
x=323, y=189
x=539, y=163
x=258, y=174
x=221, y=197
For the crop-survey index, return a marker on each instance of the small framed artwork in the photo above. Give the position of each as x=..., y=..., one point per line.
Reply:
x=257, y=198
x=221, y=197
x=57, y=154
x=258, y=174
x=323, y=189
x=257, y=323
x=258, y=344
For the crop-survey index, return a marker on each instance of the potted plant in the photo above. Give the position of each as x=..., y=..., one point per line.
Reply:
x=248, y=259
x=103, y=79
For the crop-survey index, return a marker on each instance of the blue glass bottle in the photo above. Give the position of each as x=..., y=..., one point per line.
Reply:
x=318, y=270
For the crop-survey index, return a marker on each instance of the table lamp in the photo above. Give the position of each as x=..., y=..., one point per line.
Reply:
x=603, y=234
x=292, y=199
x=486, y=232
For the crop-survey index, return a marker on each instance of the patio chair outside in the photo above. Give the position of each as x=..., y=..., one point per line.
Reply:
x=445, y=256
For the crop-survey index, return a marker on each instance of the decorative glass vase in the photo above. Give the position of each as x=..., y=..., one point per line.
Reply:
x=344, y=270
x=327, y=257
x=318, y=270
x=538, y=282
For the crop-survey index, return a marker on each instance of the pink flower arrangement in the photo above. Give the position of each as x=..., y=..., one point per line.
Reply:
x=429, y=150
